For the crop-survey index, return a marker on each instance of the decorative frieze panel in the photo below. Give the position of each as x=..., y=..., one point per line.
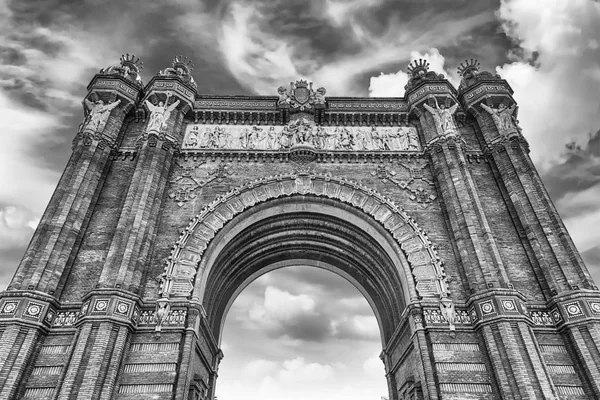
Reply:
x=465, y=388
x=300, y=132
x=173, y=318
x=152, y=347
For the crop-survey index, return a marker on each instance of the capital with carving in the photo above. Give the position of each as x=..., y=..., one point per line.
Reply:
x=169, y=96
x=112, y=93
x=489, y=99
x=433, y=99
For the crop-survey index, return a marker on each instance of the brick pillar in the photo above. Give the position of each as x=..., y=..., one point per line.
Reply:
x=103, y=332
x=53, y=246
x=136, y=229
x=479, y=258
x=565, y=281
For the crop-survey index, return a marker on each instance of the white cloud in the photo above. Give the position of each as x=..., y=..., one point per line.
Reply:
x=392, y=85
x=16, y=226
x=259, y=368
x=281, y=306
x=297, y=370
x=558, y=96
x=356, y=327
x=583, y=226
x=373, y=366
x=262, y=59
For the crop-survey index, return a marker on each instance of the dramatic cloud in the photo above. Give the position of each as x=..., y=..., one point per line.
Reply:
x=556, y=72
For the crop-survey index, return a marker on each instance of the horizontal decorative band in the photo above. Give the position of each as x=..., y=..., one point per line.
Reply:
x=154, y=347
x=54, y=349
x=154, y=388
x=39, y=393
x=576, y=390
x=465, y=388
x=473, y=347
x=561, y=369
x=163, y=367
x=444, y=367
x=49, y=370
x=553, y=348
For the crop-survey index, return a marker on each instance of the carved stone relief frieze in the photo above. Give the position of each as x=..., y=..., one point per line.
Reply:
x=301, y=132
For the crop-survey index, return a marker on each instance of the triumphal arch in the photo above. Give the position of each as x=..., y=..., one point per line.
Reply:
x=174, y=200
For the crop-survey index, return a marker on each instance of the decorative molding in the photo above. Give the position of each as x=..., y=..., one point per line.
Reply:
x=553, y=348
x=153, y=347
x=39, y=393
x=300, y=132
x=148, y=367
x=465, y=388
x=186, y=254
x=562, y=369
x=570, y=390
x=462, y=347
x=235, y=104
x=371, y=105
x=146, y=388
x=173, y=318
x=54, y=349
x=467, y=367
x=47, y=370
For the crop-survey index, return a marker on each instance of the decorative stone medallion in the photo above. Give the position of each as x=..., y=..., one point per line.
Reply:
x=594, y=306
x=573, y=309
x=509, y=305
x=100, y=306
x=122, y=308
x=487, y=308
x=33, y=310
x=9, y=307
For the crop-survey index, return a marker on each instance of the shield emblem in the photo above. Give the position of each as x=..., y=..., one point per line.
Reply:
x=301, y=94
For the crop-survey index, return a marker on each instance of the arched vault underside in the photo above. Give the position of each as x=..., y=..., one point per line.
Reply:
x=305, y=220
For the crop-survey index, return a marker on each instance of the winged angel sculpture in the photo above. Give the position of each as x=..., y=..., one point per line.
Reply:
x=98, y=114
x=443, y=117
x=159, y=115
x=504, y=117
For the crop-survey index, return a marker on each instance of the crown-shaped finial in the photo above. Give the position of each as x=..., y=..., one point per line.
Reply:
x=132, y=62
x=182, y=62
x=301, y=84
x=469, y=66
x=418, y=67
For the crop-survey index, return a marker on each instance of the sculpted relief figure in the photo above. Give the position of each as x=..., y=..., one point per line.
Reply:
x=159, y=115
x=302, y=132
x=98, y=114
x=504, y=117
x=284, y=97
x=443, y=117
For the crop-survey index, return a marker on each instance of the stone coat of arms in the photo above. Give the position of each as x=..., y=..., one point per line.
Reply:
x=301, y=95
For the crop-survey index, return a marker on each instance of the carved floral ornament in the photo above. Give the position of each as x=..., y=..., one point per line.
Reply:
x=427, y=270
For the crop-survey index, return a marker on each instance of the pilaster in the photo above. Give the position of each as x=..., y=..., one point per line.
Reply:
x=52, y=249
x=169, y=96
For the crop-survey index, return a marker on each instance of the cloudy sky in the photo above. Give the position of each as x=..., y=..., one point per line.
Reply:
x=315, y=337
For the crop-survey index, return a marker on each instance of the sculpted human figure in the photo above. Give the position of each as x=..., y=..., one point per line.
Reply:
x=98, y=115
x=319, y=137
x=376, y=139
x=272, y=139
x=443, y=117
x=413, y=140
x=504, y=117
x=331, y=136
x=344, y=141
x=192, y=139
x=403, y=139
x=159, y=115
x=284, y=97
x=319, y=96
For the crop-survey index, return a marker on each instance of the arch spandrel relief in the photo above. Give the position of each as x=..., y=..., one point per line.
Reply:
x=301, y=132
x=186, y=260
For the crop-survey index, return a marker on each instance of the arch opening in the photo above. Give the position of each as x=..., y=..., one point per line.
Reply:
x=303, y=230
x=301, y=332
